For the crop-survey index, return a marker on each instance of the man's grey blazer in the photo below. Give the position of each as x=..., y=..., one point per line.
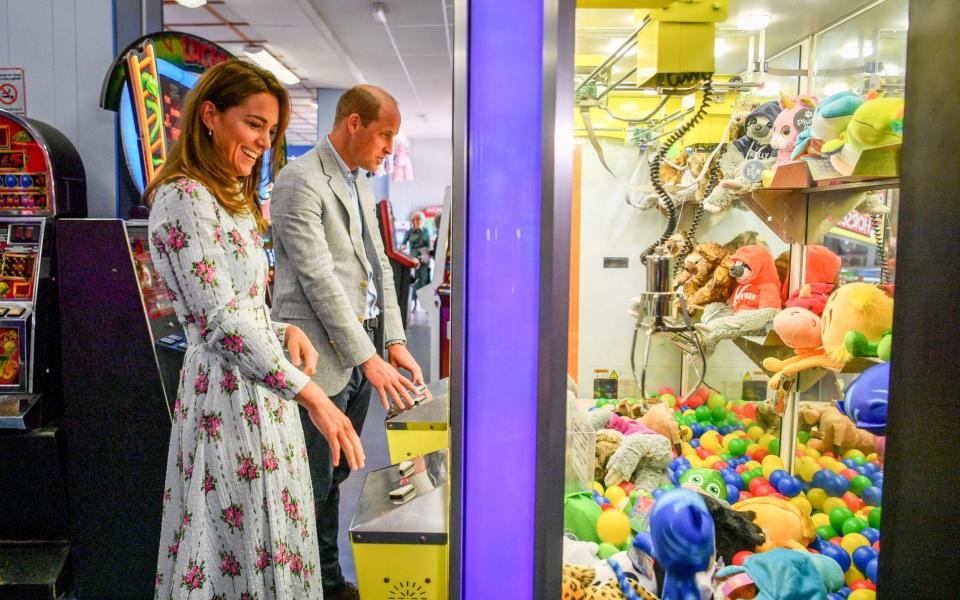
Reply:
x=321, y=269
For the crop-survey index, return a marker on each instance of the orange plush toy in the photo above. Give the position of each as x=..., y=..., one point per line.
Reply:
x=783, y=523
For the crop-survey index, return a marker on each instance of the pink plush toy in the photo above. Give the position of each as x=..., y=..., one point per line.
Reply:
x=402, y=165
x=797, y=115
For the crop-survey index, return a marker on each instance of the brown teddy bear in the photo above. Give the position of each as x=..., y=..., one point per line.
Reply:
x=705, y=276
x=832, y=430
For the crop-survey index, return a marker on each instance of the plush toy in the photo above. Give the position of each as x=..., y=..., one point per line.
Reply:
x=683, y=541
x=782, y=574
x=857, y=344
x=402, y=165
x=830, y=119
x=875, y=123
x=745, y=238
x=857, y=306
x=641, y=458
x=755, y=300
x=799, y=328
x=767, y=417
x=822, y=272
x=734, y=530
x=784, y=524
x=865, y=400
x=580, y=583
x=705, y=277
x=707, y=480
x=696, y=180
x=832, y=431
x=797, y=115
x=753, y=145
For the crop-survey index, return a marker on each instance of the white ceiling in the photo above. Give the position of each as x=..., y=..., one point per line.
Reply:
x=337, y=43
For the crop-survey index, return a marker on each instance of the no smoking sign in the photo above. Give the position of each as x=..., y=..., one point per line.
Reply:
x=12, y=97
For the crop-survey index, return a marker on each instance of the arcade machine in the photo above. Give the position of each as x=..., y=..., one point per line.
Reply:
x=402, y=263
x=435, y=298
x=41, y=179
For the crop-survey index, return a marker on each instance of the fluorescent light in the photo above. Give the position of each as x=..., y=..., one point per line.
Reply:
x=851, y=50
x=259, y=55
x=191, y=3
x=753, y=22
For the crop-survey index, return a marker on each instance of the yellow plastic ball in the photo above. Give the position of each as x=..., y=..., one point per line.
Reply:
x=755, y=432
x=806, y=471
x=751, y=448
x=752, y=464
x=853, y=453
x=771, y=463
x=709, y=461
x=598, y=488
x=731, y=436
x=812, y=453
x=613, y=527
x=747, y=422
x=851, y=542
x=862, y=594
x=710, y=440
x=820, y=519
x=802, y=503
x=765, y=439
x=860, y=515
x=817, y=496
x=688, y=412
x=831, y=503
x=615, y=494
x=837, y=467
x=852, y=574
x=872, y=457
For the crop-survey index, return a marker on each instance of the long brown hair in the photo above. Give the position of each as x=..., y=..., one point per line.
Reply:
x=225, y=85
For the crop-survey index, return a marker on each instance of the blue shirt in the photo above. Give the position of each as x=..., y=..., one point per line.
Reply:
x=350, y=176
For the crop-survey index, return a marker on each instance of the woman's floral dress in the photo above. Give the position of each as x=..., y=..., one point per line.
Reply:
x=237, y=519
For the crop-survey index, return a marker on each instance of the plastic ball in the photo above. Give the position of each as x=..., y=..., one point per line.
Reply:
x=733, y=494
x=827, y=532
x=852, y=502
x=737, y=447
x=613, y=527
x=851, y=542
x=863, y=584
x=755, y=432
x=836, y=485
x=807, y=471
x=853, y=525
x=872, y=570
x=757, y=482
x=741, y=556
x=836, y=553
x=615, y=494
x=839, y=516
x=859, y=483
x=669, y=399
x=849, y=473
x=835, y=596
x=710, y=440
x=771, y=463
x=760, y=453
x=820, y=520
x=777, y=475
x=607, y=506
x=716, y=401
x=874, y=518
x=789, y=486
x=774, y=446
x=820, y=478
x=870, y=533
x=862, y=595
x=765, y=490
x=833, y=503
x=872, y=496
x=627, y=486
x=862, y=556
x=817, y=496
x=804, y=437
x=703, y=413
x=606, y=550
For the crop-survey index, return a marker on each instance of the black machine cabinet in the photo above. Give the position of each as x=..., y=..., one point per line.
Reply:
x=41, y=180
x=118, y=419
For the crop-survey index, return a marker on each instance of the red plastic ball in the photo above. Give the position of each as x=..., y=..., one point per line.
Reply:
x=744, y=495
x=627, y=486
x=750, y=410
x=776, y=494
x=876, y=544
x=741, y=468
x=852, y=502
x=759, y=453
x=741, y=556
x=607, y=507
x=757, y=482
x=830, y=454
x=837, y=541
x=695, y=402
x=666, y=390
x=849, y=473
x=703, y=453
x=863, y=584
x=765, y=490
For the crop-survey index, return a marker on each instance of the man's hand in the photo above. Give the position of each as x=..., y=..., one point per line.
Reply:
x=401, y=358
x=389, y=383
x=301, y=350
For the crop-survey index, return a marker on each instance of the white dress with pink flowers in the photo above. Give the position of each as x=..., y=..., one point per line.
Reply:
x=238, y=519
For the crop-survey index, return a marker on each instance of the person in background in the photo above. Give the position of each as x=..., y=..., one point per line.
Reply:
x=235, y=522
x=330, y=282
x=417, y=242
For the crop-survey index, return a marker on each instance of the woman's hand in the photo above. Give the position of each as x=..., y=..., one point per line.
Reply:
x=333, y=425
x=301, y=350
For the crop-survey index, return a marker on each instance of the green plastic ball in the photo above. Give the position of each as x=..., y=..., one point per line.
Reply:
x=738, y=446
x=718, y=414
x=839, y=516
x=804, y=437
x=859, y=483
x=774, y=446
x=716, y=401
x=826, y=532
x=860, y=460
x=703, y=413
x=725, y=456
x=606, y=550
x=874, y=518
x=854, y=525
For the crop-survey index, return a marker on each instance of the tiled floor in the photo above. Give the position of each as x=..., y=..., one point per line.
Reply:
x=375, y=444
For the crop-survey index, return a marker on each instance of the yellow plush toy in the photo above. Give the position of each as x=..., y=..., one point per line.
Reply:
x=783, y=523
x=859, y=307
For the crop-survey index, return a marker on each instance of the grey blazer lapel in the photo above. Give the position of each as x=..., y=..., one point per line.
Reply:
x=331, y=169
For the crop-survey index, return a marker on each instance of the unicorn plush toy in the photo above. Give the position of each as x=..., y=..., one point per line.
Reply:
x=796, y=116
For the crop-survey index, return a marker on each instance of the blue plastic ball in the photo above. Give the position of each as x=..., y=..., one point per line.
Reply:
x=872, y=495
x=835, y=596
x=836, y=485
x=820, y=478
x=876, y=476
x=789, y=486
x=733, y=493
x=872, y=468
x=849, y=463
x=871, y=534
x=862, y=556
x=871, y=571
x=838, y=554
x=776, y=476
x=695, y=443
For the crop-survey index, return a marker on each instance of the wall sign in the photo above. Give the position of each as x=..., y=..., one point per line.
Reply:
x=13, y=97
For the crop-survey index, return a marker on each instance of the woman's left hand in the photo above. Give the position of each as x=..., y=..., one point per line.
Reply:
x=301, y=350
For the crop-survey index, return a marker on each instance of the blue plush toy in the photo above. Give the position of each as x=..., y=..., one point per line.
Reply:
x=683, y=541
x=829, y=119
x=865, y=401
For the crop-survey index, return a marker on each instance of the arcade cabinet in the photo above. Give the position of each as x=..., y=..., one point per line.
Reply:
x=402, y=263
x=41, y=179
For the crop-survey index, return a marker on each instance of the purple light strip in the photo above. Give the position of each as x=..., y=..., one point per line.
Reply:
x=503, y=288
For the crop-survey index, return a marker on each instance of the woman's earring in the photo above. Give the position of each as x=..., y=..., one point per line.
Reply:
x=210, y=132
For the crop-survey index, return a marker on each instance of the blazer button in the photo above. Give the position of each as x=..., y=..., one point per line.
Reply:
x=363, y=283
x=360, y=318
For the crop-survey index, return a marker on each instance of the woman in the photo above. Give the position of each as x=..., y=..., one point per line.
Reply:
x=417, y=241
x=238, y=520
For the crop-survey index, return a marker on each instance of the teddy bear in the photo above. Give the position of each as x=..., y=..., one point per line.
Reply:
x=705, y=277
x=831, y=430
x=641, y=457
x=755, y=301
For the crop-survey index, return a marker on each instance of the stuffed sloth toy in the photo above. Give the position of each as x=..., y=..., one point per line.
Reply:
x=754, y=144
x=755, y=301
x=641, y=457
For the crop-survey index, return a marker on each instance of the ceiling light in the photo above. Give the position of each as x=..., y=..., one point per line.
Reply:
x=191, y=3
x=852, y=50
x=753, y=22
x=314, y=105
x=379, y=13
x=259, y=55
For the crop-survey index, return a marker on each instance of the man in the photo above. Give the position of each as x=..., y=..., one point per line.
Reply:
x=330, y=283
